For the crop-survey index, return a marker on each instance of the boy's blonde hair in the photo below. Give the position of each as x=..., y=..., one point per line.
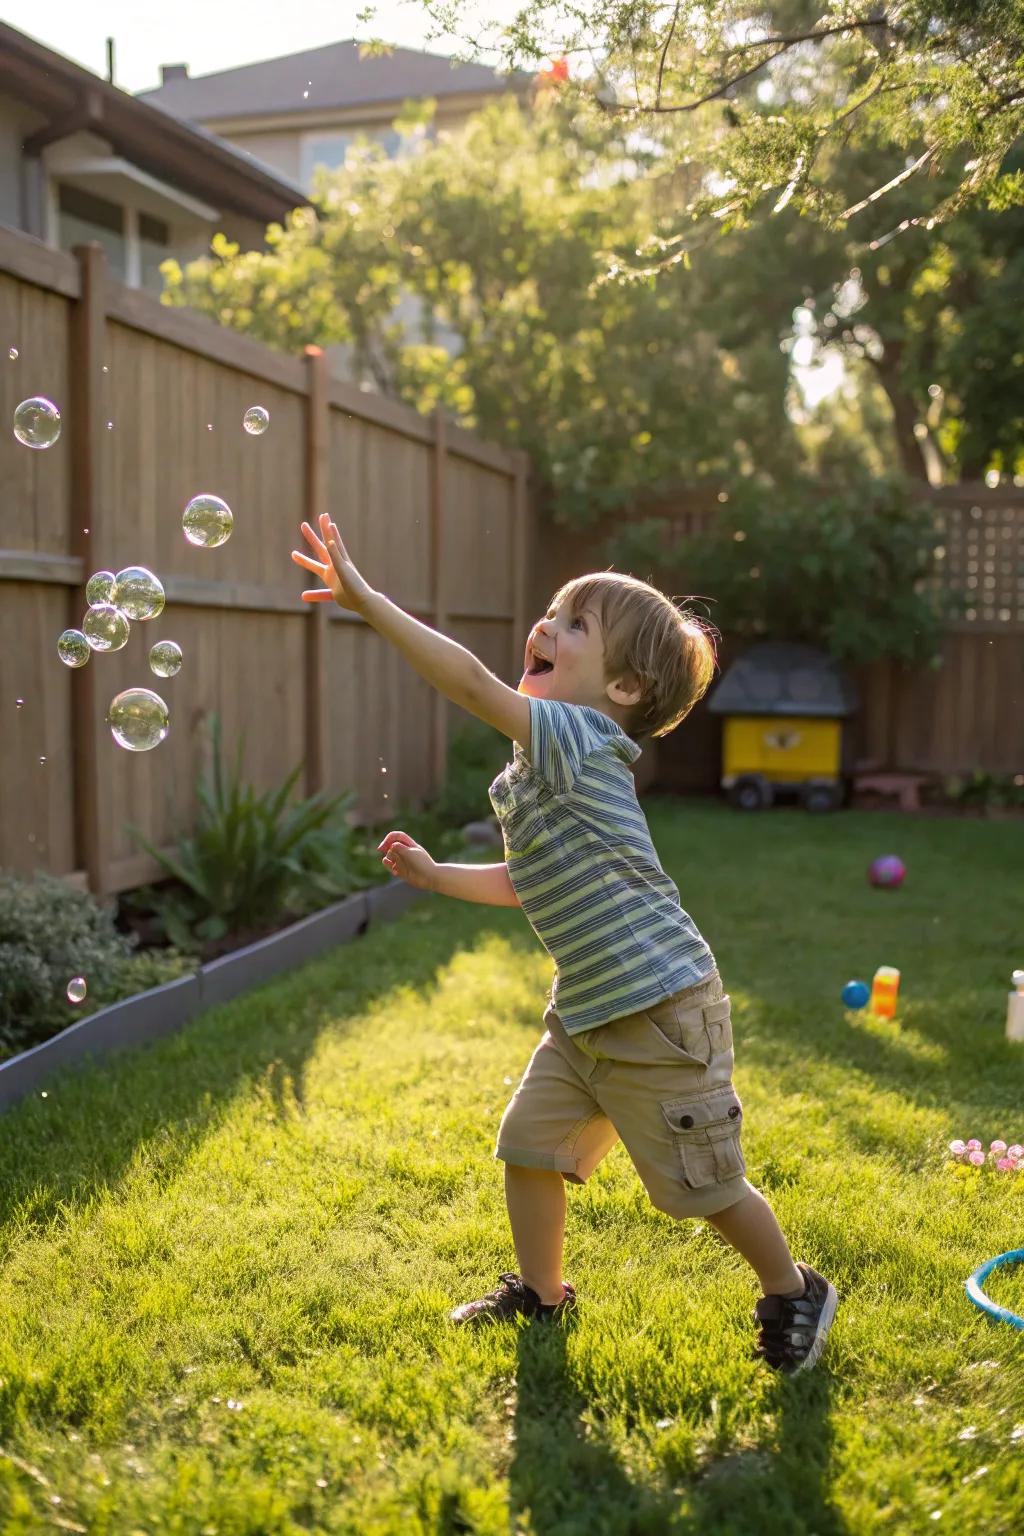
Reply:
x=669, y=649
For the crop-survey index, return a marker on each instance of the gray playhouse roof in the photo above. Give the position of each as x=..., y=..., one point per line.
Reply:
x=774, y=678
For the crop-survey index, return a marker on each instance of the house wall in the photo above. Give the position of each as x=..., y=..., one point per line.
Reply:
x=16, y=122
x=281, y=150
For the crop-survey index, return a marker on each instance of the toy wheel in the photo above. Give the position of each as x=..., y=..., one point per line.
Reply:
x=751, y=792
x=821, y=795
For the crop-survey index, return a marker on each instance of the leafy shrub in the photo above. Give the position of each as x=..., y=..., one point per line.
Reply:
x=476, y=755
x=247, y=854
x=1004, y=791
x=49, y=933
x=853, y=573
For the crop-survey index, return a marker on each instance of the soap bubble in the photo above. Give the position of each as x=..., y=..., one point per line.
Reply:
x=76, y=989
x=100, y=588
x=106, y=627
x=138, y=593
x=73, y=648
x=165, y=658
x=13, y=354
x=256, y=420
x=207, y=521
x=138, y=719
x=37, y=423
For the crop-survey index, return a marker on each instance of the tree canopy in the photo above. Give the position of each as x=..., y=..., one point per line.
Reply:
x=940, y=81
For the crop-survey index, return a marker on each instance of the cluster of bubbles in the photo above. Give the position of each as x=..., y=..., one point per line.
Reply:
x=138, y=717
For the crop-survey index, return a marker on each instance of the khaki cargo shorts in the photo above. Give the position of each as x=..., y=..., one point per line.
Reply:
x=659, y=1079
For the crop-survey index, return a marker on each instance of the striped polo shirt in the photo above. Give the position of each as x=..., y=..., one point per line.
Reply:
x=582, y=863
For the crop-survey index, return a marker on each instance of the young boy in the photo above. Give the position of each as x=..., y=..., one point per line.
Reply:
x=638, y=1043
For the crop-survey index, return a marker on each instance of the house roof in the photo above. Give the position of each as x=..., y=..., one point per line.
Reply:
x=777, y=678
x=73, y=99
x=325, y=79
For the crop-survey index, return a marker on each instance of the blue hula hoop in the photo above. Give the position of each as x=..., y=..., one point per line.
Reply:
x=974, y=1285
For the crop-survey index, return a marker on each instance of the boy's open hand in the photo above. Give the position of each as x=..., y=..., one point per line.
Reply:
x=409, y=861
x=342, y=581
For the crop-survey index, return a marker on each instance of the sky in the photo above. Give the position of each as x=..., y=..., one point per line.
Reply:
x=209, y=37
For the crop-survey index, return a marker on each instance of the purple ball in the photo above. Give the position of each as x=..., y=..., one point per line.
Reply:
x=887, y=871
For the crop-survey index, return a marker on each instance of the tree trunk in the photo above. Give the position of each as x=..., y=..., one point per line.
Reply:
x=905, y=415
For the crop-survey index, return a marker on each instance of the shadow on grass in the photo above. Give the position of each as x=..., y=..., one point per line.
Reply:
x=564, y=1479
x=160, y=1101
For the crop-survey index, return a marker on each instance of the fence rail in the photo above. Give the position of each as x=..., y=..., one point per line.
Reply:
x=152, y=400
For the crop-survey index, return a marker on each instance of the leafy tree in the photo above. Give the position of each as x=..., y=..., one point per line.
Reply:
x=942, y=81
x=500, y=236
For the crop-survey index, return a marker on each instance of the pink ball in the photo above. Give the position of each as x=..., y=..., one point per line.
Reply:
x=974, y=1145
x=997, y=1146
x=958, y=1148
x=977, y=1157
x=888, y=871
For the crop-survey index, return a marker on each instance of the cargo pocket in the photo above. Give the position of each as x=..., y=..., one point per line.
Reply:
x=706, y=1133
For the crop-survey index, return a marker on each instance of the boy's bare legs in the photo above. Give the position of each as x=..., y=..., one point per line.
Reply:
x=750, y=1227
x=536, y=1210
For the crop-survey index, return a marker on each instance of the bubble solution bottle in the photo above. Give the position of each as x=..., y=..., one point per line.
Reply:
x=884, y=992
x=1015, y=1008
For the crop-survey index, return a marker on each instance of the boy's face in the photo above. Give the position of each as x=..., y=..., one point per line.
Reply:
x=574, y=645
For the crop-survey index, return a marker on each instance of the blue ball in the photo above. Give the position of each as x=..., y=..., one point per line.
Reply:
x=855, y=994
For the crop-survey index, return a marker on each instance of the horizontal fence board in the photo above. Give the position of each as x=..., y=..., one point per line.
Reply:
x=37, y=265
x=192, y=332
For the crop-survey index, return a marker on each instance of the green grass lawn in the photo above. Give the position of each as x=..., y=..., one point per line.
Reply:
x=228, y=1260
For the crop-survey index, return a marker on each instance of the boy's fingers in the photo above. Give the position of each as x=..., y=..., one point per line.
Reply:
x=320, y=595
x=317, y=543
x=316, y=566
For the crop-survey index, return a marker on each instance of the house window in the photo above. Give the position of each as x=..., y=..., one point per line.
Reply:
x=154, y=242
x=327, y=151
x=83, y=217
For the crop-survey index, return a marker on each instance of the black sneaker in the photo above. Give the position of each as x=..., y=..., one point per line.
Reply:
x=513, y=1298
x=794, y=1330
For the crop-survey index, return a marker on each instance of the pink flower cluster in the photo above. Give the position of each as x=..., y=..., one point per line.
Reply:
x=1005, y=1158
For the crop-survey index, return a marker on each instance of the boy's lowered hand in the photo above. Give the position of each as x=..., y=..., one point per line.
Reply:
x=406, y=859
x=342, y=581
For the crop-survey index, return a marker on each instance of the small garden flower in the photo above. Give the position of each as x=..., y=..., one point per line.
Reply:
x=1004, y=1158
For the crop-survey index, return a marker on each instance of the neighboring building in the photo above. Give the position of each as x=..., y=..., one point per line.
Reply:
x=81, y=160
x=306, y=110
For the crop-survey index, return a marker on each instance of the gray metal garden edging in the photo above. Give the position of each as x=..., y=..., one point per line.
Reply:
x=149, y=1015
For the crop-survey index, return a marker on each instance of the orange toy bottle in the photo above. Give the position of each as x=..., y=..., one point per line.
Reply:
x=884, y=991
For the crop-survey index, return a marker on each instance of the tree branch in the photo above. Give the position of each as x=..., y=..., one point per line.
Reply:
x=904, y=175
x=664, y=52
x=790, y=39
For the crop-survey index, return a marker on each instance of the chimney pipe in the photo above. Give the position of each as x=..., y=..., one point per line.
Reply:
x=110, y=61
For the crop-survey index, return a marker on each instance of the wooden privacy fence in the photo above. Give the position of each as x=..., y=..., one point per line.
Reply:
x=965, y=715
x=152, y=400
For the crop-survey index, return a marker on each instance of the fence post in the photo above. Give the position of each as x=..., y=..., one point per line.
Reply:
x=86, y=534
x=318, y=447
x=439, y=599
x=522, y=556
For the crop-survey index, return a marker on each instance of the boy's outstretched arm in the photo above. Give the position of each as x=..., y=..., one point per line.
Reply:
x=447, y=666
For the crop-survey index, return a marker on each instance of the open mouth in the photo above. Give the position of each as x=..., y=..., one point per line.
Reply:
x=538, y=666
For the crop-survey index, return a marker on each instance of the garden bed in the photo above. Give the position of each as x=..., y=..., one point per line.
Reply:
x=151, y=1014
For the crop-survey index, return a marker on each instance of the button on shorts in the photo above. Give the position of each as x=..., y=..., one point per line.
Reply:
x=660, y=1080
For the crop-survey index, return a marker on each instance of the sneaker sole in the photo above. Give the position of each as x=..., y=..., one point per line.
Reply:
x=825, y=1320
